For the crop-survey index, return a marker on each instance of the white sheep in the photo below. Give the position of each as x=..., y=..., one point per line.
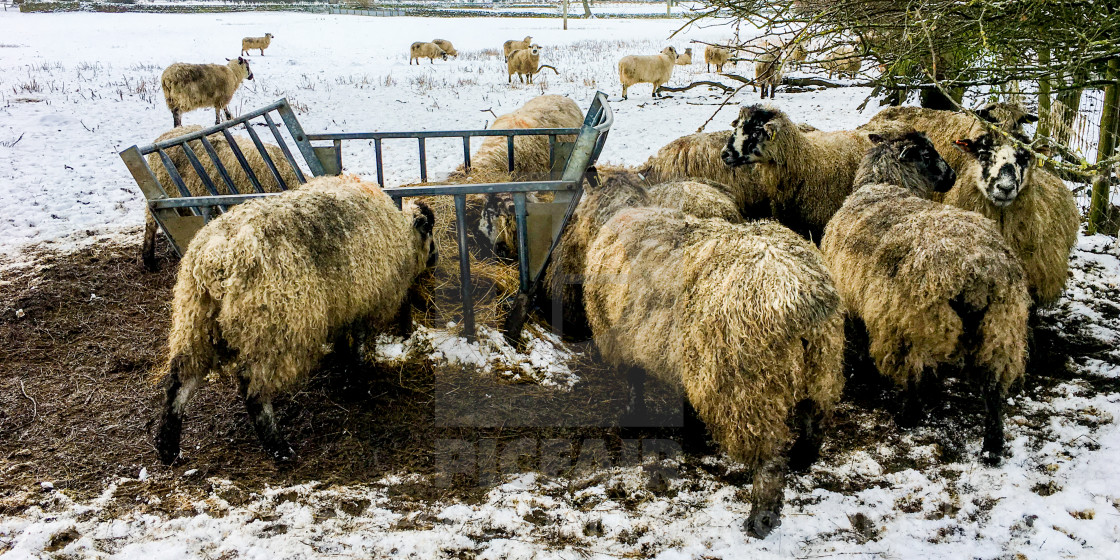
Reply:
x=264, y=288
x=187, y=87
x=447, y=47
x=653, y=69
x=256, y=43
x=842, y=61
x=716, y=56
x=768, y=71
x=524, y=62
x=421, y=49
x=514, y=45
x=686, y=58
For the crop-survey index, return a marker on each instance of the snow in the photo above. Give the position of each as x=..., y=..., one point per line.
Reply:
x=1057, y=495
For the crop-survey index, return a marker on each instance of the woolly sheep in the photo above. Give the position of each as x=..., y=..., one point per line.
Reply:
x=421, y=49
x=514, y=45
x=194, y=183
x=768, y=71
x=187, y=87
x=809, y=173
x=530, y=156
x=255, y=43
x=447, y=47
x=1035, y=211
x=262, y=289
x=524, y=62
x=743, y=317
x=716, y=56
x=796, y=54
x=936, y=286
x=686, y=58
x=653, y=69
x=842, y=61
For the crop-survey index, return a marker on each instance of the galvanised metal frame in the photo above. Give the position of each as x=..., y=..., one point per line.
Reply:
x=327, y=160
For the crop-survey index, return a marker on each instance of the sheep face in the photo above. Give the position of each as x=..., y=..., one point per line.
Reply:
x=750, y=134
x=923, y=169
x=423, y=219
x=1003, y=166
x=535, y=50
x=670, y=52
x=245, y=64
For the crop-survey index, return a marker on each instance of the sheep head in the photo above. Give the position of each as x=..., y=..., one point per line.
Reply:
x=424, y=221
x=907, y=159
x=1003, y=166
x=670, y=52
x=242, y=63
x=753, y=134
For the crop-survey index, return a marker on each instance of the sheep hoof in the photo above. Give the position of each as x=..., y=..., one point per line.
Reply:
x=761, y=523
x=991, y=458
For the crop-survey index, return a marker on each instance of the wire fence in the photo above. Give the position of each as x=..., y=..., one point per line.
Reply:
x=1081, y=136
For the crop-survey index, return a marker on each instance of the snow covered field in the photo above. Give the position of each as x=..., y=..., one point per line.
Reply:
x=77, y=88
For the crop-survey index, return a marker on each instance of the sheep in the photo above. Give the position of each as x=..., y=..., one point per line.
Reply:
x=447, y=47
x=1034, y=210
x=936, y=286
x=716, y=56
x=743, y=317
x=263, y=289
x=653, y=69
x=808, y=173
x=686, y=58
x=255, y=43
x=514, y=45
x=843, y=61
x=524, y=62
x=796, y=54
x=421, y=49
x=194, y=183
x=187, y=87
x=768, y=71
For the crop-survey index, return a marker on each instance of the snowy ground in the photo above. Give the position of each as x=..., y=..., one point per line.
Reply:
x=77, y=88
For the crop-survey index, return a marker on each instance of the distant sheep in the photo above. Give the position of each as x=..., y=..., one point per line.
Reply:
x=768, y=71
x=716, y=56
x=653, y=69
x=936, y=286
x=743, y=317
x=809, y=173
x=686, y=58
x=255, y=43
x=194, y=183
x=264, y=288
x=514, y=45
x=796, y=54
x=447, y=47
x=421, y=49
x=843, y=62
x=187, y=87
x=524, y=62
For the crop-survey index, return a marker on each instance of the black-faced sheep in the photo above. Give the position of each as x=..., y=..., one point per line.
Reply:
x=686, y=58
x=447, y=47
x=515, y=45
x=743, y=317
x=265, y=287
x=936, y=286
x=1033, y=209
x=420, y=49
x=187, y=87
x=524, y=63
x=194, y=183
x=261, y=43
x=810, y=173
x=716, y=56
x=653, y=69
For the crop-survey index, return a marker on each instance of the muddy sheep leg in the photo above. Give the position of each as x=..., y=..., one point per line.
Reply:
x=636, y=413
x=148, y=250
x=766, y=497
x=994, y=397
x=805, y=422
x=178, y=388
x=912, y=405
x=177, y=117
x=694, y=437
x=229, y=116
x=264, y=421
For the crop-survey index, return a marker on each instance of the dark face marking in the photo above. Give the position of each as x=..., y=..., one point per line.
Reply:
x=748, y=136
x=424, y=221
x=920, y=153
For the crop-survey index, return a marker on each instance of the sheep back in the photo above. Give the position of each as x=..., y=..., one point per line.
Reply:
x=530, y=155
x=446, y=46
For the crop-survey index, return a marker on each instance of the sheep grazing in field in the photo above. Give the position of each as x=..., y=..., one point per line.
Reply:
x=1033, y=209
x=796, y=54
x=421, y=49
x=808, y=173
x=743, y=317
x=187, y=87
x=937, y=287
x=515, y=45
x=653, y=69
x=686, y=58
x=716, y=56
x=194, y=183
x=255, y=43
x=524, y=62
x=447, y=47
x=768, y=71
x=262, y=289
x=842, y=61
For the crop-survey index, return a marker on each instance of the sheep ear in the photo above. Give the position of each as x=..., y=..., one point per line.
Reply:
x=985, y=113
x=1028, y=118
x=906, y=152
x=876, y=138
x=423, y=219
x=771, y=127
x=965, y=145
x=227, y=60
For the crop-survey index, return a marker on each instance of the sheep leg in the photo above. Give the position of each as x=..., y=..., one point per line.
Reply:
x=262, y=51
x=912, y=405
x=264, y=421
x=624, y=87
x=177, y=117
x=636, y=413
x=404, y=317
x=766, y=497
x=694, y=437
x=229, y=116
x=178, y=388
x=806, y=423
x=994, y=396
x=148, y=251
